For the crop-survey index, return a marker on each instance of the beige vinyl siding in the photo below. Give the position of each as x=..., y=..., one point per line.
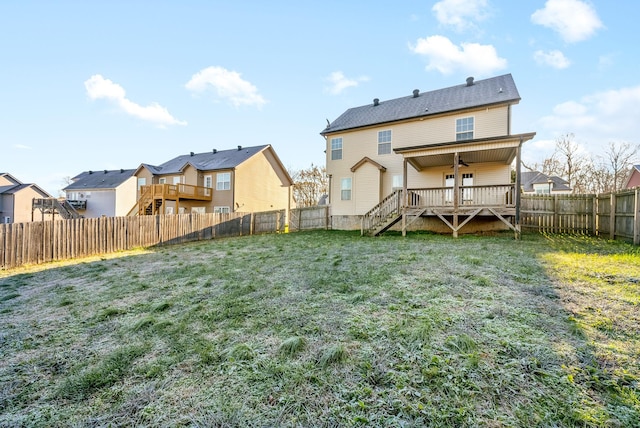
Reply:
x=258, y=187
x=488, y=122
x=126, y=196
x=22, y=206
x=223, y=198
x=367, y=182
x=191, y=176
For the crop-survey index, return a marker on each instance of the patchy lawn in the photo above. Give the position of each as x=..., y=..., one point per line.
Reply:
x=328, y=329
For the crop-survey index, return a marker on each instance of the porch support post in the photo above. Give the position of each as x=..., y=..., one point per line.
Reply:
x=405, y=197
x=518, y=190
x=456, y=192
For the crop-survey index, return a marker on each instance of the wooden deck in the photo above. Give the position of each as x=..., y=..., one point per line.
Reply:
x=496, y=201
x=153, y=197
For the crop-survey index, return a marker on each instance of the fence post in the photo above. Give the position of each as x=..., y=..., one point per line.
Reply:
x=636, y=218
x=612, y=216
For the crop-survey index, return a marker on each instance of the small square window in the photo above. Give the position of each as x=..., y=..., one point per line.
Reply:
x=464, y=129
x=223, y=181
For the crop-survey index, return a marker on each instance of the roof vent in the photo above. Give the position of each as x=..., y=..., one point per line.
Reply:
x=376, y=101
x=215, y=151
x=470, y=81
x=192, y=153
x=239, y=148
x=121, y=170
x=416, y=93
x=105, y=171
x=90, y=172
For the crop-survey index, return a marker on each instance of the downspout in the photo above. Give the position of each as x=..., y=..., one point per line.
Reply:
x=405, y=197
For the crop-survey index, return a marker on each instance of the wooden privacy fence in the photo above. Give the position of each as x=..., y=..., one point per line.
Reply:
x=612, y=215
x=46, y=241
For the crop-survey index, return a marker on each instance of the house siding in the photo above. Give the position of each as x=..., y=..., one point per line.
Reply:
x=258, y=186
x=367, y=181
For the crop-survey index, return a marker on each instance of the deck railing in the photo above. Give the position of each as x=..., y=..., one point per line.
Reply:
x=501, y=195
x=173, y=191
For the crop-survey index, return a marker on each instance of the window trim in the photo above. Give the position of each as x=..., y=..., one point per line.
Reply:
x=384, y=143
x=344, y=189
x=210, y=179
x=223, y=184
x=336, y=153
x=221, y=210
x=463, y=135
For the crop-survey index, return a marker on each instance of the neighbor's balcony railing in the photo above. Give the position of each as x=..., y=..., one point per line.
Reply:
x=175, y=191
x=501, y=195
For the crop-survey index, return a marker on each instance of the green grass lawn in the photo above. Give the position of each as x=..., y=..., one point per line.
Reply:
x=323, y=329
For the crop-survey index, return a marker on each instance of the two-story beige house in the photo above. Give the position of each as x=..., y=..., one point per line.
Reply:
x=16, y=200
x=244, y=179
x=438, y=160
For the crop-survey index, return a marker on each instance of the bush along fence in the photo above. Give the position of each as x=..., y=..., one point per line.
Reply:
x=611, y=215
x=47, y=241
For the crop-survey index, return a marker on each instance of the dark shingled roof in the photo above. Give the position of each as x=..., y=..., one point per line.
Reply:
x=106, y=179
x=495, y=90
x=529, y=178
x=208, y=161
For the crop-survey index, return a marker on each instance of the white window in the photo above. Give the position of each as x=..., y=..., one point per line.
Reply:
x=336, y=148
x=198, y=210
x=464, y=129
x=221, y=210
x=208, y=181
x=384, y=142
x=176, y=180
x=397, y=181
x=162, y=180
x=168, y=210
x=223, y=181
x=142, y=181
x=345, y=189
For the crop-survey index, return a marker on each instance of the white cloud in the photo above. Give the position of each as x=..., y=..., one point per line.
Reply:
x=554, y=58
x=460, y=14
x=444, y=56
x=226, y=84
x=98, y=87
x=21, y=147
x=339, y=82
x=599, y=117
x=575, y=20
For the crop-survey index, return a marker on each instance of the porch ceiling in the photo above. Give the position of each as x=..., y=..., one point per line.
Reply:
x=500, y=150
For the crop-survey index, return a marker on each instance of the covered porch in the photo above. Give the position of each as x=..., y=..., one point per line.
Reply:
x=459, y=202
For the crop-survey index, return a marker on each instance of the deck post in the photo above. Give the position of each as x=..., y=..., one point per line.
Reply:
x=405, y=197
x=518, y=190
x=456, y=190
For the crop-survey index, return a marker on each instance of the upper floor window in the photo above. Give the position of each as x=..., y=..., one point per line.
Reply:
x=223, y=181
x=345, y=189
x=384, y=142
x=464, y=129
x=208, y=181
x=336, y=148
x=177, y=180
x=162, y=180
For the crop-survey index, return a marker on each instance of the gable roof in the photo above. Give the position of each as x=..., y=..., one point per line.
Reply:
x=529, y=178
x=208, y=161
x=495, y=90
x=13, y=189
x=10, y=177
x=634, y=169
x=107, y=179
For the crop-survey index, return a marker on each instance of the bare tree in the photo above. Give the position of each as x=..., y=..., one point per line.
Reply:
x=309, y=185
x=619, y=158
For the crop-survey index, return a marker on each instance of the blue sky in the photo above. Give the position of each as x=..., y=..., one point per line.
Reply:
x=91, y=85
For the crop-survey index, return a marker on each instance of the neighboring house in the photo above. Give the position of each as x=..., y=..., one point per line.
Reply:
x=537, y=183
x=634, y=177
x=441, y=158
x=16, y=200
x=246, y=179
x=108, y=193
